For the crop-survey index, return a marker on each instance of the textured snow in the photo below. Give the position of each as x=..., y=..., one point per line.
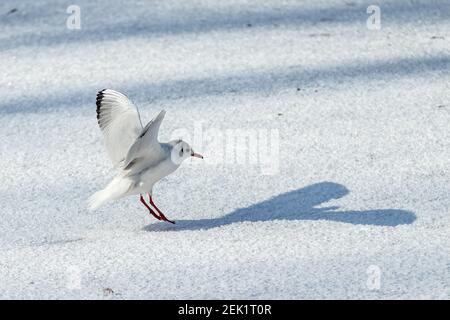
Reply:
x=362, y=188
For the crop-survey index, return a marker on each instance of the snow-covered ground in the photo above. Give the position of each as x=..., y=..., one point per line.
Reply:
x=355, y=203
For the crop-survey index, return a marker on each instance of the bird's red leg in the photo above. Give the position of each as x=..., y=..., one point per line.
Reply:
x=161, y=215
x=149, y=209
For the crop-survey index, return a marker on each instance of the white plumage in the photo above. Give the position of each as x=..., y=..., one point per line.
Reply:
x=134, y=150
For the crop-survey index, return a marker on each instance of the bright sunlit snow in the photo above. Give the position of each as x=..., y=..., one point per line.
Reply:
x=350, y=199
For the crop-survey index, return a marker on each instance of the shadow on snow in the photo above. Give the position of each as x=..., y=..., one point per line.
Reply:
x=300, y=204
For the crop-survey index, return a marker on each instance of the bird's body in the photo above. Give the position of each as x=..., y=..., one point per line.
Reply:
x=141, y=160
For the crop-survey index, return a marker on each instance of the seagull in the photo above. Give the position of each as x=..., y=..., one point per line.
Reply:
x=141, y=160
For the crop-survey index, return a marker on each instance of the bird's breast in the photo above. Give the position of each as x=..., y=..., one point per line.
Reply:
x=155, y=173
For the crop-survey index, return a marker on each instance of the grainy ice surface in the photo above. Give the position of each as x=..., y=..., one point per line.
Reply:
x=351, y=199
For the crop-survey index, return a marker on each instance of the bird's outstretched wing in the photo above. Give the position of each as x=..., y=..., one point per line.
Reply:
x=120, y=122
x=146, y=146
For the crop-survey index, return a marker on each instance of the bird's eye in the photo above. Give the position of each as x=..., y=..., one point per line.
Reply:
x=182, y=150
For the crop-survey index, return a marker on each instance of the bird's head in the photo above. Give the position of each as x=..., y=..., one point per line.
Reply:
x=181, y=150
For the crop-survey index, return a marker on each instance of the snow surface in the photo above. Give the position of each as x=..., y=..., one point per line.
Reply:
x=362, y=190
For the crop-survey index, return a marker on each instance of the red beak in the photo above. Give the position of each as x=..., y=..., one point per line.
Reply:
x=193, y=154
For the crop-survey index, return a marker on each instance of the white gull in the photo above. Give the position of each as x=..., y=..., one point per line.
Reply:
x=135, y=151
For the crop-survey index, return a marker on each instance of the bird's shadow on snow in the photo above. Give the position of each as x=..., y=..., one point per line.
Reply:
x=300, y=204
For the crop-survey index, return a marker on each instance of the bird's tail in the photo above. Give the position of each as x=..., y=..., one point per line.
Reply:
x=116, y=189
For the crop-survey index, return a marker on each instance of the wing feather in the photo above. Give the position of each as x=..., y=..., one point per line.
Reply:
x=120, y=123
x=146, y=145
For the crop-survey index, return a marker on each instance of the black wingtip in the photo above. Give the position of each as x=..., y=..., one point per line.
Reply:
x=99, y=102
